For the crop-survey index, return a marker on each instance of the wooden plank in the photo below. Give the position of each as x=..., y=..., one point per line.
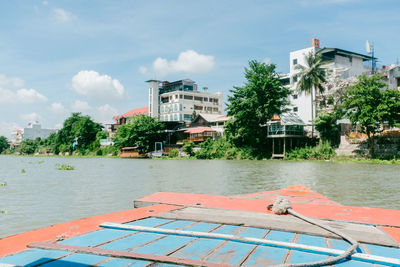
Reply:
x=17, y=243
x=384, y=217
x=257, y=241
x=123, y=254
x=360, y=232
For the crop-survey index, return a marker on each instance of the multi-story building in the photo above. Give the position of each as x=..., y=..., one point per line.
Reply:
x=340, y=63
x=34, y=130
x=178, y=101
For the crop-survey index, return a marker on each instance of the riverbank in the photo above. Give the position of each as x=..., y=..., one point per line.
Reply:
x=340, y=158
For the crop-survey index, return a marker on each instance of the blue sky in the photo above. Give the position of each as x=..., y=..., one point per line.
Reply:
x=57, y=57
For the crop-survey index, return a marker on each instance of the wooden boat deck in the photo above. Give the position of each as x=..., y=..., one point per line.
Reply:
x=86, y=243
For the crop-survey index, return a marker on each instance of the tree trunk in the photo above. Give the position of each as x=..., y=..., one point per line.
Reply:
x=371, y=145
x=312, y=112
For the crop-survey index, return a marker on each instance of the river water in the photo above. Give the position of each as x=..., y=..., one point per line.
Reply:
x=42, y=195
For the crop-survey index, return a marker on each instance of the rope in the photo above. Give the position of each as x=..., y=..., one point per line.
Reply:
x=283, y=206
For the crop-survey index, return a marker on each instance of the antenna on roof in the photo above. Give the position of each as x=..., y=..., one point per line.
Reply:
x=370, y=50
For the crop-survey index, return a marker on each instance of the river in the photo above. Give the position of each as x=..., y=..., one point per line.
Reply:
x=42, y=195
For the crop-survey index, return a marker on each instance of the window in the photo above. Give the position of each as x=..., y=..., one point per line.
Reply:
x=294, y=78
x=295, y=109
x=295, y=61
x=187, y=117
x=294, y=96
x=175, y=117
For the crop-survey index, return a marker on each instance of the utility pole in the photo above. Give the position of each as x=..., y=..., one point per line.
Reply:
x=371, y=50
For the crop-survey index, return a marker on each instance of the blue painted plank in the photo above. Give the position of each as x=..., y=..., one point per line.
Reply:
x=233, y=252
x=384, y=251
x=131, y=241
x=149, y=222
x=124, y=262
x=311, y=240
x=95, y=238
x=202, y=246
x=165, y=245
x=32, y=256
x=354, y=263
x=280, y=236
x=77, y=260
x=302, y=257
x=177, y=224
x=266, y=256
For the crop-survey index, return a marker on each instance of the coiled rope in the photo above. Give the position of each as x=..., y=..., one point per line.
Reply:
x=283, y=206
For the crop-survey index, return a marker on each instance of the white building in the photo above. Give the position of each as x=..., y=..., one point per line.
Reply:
x=34, y=130
x=180, y=100
x=340, y=62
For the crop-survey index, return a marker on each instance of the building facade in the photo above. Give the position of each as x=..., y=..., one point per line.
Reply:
x=34, y=130
x=179, y=101
x=339, y=63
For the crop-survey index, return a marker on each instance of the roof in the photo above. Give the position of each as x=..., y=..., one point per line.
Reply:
x=133, y=112
x=288, y=118
x=344, y=53
x=214, y=117
x=199, y=130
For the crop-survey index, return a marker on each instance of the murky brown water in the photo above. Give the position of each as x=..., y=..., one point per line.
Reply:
x=44, y=195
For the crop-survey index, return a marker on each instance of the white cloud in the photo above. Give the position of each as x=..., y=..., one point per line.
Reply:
x=30, y=96
x=31, y=117
x=7, y=128
x=80, y=106
x=105, y=113
x=188, y=61
x=99, y=87
x=61, y=15
x=21, y=96
x=10, y=82
x=58, y=108
x=143, y=70
x=45, y=3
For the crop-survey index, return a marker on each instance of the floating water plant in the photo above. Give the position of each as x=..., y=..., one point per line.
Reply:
x=65, y=167
x=3, y=211
x=40, y=161
x=23, y=171
x=3, y=183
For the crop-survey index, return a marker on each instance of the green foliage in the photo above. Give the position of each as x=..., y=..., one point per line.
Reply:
x=321, y=151
x=64, y=167
x=173, y=153
x=188, y=148
x=76, y=127
x=28, y=146
x=370, y=106
x=23, y=171
x=100, y=135
x=311, y=75
x=252, y=105
x=3, y=183
x=141, y=130
x=326, y=125
x=223, y=149
x=3, y=144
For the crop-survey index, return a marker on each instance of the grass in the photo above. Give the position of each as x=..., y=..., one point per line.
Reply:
x=64, y=167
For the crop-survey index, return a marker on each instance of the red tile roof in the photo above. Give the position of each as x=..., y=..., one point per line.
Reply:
x=133, y=112
x=199, y=130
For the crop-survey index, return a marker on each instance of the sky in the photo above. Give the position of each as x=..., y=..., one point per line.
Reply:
x=59, y=57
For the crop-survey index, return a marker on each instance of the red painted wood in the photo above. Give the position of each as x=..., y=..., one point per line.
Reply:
x=332, y=212
x=394, y=232
x=125, y=254
x=16, y=243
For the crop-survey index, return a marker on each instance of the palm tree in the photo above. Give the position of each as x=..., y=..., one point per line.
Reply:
x=311, y=77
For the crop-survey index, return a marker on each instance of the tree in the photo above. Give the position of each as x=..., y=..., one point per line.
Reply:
x=369, y=105
x=253, y=104
x=326, y=125
x=79, y=129
x=28, y=146
x=142, y=130
x=311, y=77
x=3, y=143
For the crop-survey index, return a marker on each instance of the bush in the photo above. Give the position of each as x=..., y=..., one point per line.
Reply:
x=321, y=151
x=173, y=153
x=223, y=149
